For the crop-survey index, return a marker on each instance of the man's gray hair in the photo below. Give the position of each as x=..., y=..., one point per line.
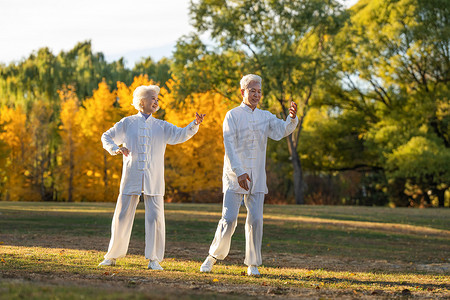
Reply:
x=245, y=81
x=140, y=93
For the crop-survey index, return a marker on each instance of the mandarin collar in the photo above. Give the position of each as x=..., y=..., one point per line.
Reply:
x=143, y=117
x=247, y=108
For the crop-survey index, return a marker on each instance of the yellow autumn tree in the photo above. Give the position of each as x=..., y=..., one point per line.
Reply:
x=71, y=156
x=194, y=168
x=16, y=176
x=43, y=127
x=101, y=170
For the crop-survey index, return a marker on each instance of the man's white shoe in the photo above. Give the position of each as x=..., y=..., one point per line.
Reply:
x=253, y=271
x=107, y=262
x=154, y=265
x=208, y=264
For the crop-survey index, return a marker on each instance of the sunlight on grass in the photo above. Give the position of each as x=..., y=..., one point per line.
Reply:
x=59, y=261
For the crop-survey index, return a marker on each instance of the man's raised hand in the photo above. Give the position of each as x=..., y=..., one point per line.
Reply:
x=293, y=110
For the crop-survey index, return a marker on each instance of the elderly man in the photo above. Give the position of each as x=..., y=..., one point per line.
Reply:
x=245, y=132
x=143, y=141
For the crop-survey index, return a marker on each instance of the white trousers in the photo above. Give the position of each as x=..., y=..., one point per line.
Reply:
x=122, y=223
x=254, y=203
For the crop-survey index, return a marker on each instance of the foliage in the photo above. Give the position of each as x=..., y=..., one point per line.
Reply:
x=392, y=72
x=196, y=165
x=42, y=74
x=71, y=151
x=19, y=149
x=102, y=171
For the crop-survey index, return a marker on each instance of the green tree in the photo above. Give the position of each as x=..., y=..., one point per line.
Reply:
x=392, y=58
x=159, y=72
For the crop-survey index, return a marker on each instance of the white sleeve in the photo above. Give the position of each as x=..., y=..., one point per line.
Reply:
x=230, y=143
x=278, y=128
x=176, y=135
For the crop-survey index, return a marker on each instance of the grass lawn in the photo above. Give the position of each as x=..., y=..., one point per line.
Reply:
x=51, y=251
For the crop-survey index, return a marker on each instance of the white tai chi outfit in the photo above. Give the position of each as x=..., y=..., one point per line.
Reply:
x=143, y=172
x=245, y=133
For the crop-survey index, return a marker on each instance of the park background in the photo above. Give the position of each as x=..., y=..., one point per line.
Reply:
x=371, y=82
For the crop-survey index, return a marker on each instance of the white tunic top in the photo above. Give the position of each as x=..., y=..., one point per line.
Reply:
x=143, y=168
x=245, y=133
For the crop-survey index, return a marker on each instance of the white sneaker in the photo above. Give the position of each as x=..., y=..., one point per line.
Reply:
x=154, y=265
x=107, y=262
x=253, y=271
x=208, y=264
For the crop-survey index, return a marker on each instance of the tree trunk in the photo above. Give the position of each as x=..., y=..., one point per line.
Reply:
x=299, y=185
x=71, y=171
x=441, y=197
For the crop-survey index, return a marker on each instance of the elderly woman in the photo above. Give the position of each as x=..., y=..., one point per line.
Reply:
x=142, y=140
x=245, y=132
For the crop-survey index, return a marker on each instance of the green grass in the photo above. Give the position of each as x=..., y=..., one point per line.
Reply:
x=51, y=251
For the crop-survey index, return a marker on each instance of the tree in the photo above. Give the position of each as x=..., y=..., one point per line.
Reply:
x=159, y=71
x=43, y=131
x=16, y=175
x=71, y=153
x=102, y=171
x=283, y=41
x=393, y=66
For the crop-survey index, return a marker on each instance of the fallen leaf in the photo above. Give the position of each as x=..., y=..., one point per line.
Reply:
x=317, y=288
x=352, y=274
x=215, y=280
x=243, y=273
x=264, y=283
x=3, y=261
x=106, y=273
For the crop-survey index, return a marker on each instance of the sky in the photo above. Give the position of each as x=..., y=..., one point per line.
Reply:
x=131, y=29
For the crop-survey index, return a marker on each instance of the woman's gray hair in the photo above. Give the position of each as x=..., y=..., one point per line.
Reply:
x=245, y=81
x=140, y=93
